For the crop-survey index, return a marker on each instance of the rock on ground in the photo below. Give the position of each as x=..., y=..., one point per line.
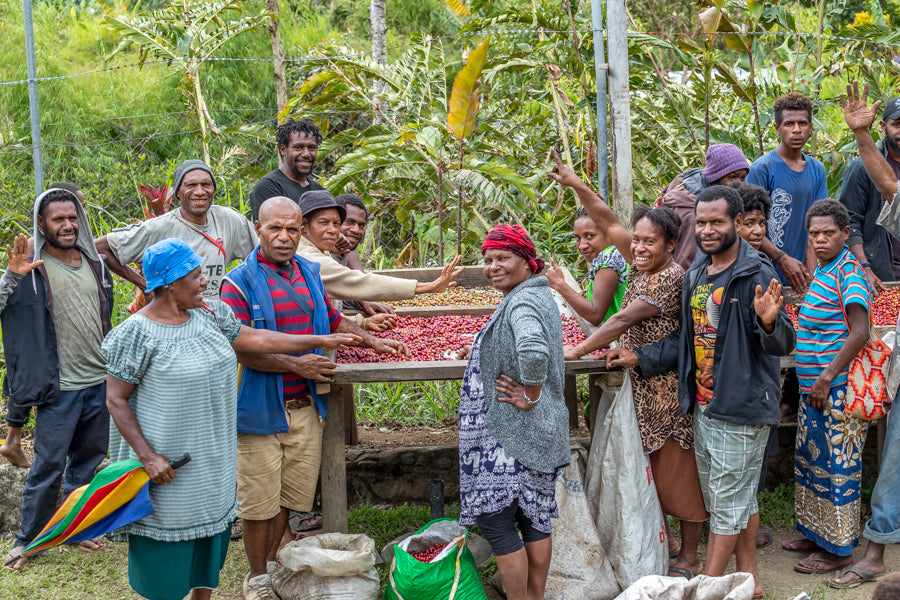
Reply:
x=12, y=484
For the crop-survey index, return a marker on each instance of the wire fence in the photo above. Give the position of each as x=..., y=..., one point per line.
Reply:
x=428, y=191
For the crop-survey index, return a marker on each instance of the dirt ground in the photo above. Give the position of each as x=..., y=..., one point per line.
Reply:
x=780, y=581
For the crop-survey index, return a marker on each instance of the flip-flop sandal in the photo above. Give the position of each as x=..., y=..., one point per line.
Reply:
x=674, y=553
x=801, y=568
x=682, y=572
x=865, y=576
x=237, y=529
x=764, y=538
x=313, y=521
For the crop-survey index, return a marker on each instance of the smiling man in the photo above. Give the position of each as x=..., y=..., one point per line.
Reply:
x=53, y=355
x=219, y=234
x=298, y=143
x=280, y=412
x=877, y=249
x=733, y=331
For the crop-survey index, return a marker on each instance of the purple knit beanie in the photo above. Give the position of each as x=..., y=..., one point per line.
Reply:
x=722, y=159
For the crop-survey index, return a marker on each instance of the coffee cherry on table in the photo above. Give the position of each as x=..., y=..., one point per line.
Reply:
x=884, y=309
x=456, y=296
x=439, y=338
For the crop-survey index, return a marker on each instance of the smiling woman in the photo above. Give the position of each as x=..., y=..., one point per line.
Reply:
x=651, y=310
x=513, y=423
x=172, y=388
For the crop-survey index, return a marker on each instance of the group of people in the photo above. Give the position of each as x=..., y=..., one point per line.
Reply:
x=692, y=293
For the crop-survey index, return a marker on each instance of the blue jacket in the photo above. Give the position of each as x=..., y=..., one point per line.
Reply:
x=260, y=405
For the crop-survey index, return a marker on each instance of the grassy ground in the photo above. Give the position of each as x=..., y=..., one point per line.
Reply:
x=70, y=574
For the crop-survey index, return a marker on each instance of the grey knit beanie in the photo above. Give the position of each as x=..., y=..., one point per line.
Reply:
x=188, y=166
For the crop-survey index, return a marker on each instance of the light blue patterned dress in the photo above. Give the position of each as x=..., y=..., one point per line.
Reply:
x=490, y=479
x=185, y=400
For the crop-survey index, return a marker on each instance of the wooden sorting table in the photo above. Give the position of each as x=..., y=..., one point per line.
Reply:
x=340, y=425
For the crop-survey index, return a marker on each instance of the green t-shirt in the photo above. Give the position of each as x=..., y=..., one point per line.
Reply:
x=76, y=317
x=609, y=258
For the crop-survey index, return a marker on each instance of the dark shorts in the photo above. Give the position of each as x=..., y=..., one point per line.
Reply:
x=169, y=570
x=502, y=529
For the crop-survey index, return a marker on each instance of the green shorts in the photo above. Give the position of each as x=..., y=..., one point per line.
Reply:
x=729, y=459
x=169, y=570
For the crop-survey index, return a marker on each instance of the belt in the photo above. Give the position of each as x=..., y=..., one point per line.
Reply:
x=301, y=402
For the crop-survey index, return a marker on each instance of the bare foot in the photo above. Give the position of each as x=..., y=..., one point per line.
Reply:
x=15, y=555
x=799, y=545
x=14, y=454
x=92, y=545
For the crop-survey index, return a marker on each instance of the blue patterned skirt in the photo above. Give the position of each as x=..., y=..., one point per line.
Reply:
x=828, y=474
x=489, y=478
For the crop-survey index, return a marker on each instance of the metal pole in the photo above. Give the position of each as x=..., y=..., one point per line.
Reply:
x=619, y=113
x=33, y=101
x=600, y=78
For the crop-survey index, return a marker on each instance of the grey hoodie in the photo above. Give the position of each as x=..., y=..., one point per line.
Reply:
x=26, y=317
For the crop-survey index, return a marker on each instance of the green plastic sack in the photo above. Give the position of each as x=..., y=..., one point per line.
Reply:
x=453, y=575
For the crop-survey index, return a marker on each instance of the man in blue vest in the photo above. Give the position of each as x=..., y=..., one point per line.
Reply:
x=280, y=413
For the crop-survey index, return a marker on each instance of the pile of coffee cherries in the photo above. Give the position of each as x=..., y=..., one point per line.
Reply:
x=456, y=296
x=884, y=310
x=428, y=555
x=428, y=338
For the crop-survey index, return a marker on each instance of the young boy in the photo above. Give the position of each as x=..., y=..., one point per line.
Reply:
x=757, y=208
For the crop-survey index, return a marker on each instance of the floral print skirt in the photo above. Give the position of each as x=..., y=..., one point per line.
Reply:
x=828, y=473
x=489, y=478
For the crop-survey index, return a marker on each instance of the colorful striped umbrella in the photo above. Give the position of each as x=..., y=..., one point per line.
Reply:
x=118, y=495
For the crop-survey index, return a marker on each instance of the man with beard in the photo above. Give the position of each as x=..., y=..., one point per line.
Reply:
x=218, y=234
x=733, y=331
x=298, y=143
x=869, y=183
x=16, y=416
x=56, y=304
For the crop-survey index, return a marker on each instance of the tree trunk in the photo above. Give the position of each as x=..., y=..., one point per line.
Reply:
x=277, y=55
x=378, y=22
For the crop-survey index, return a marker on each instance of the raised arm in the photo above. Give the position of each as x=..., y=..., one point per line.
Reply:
x=16, y=268
x=595, y=206
x=595, y=309
x=859, y=119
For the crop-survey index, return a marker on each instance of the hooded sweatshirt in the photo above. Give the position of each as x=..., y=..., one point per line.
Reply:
x=681, y=196
x=26, y=316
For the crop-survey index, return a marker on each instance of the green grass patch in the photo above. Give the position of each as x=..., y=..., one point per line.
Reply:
x=407, y=404
x=776, y=507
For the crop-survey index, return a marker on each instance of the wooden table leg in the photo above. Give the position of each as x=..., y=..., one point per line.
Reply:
x=594, y=394
x=334, y=466
x=351, y=433
x=570, y=393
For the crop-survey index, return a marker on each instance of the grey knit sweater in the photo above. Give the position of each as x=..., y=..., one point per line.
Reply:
x=523, y=340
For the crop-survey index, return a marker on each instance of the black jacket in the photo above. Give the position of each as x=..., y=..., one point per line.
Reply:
x=746, y=377
x=864, y=203
x=29, y=336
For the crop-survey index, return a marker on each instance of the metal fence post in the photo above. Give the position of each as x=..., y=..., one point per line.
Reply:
x=36, y=154
x=619, y=109
x=600, y=79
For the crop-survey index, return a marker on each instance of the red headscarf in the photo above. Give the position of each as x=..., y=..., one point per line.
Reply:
x=513, y=238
